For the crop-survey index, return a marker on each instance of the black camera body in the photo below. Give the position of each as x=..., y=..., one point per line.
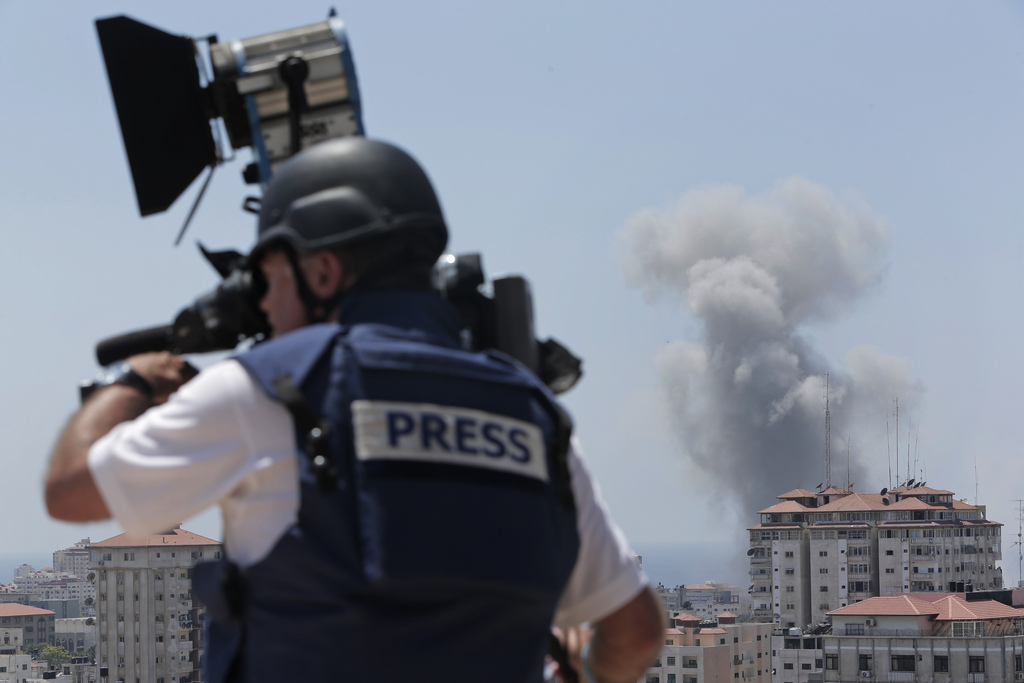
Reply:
x=277, y=93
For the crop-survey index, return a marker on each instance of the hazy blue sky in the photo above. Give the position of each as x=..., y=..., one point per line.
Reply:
x=555, y=132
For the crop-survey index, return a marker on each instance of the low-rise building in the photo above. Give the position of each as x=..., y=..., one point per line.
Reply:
x=720, y=650
x=15, y=668
x=37, y=624
x=945, y=638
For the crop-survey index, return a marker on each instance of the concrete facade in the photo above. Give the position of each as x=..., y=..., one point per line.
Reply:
x=816, y=552
x=951, y=640
x=150, y=630
x=15, y=668
x=721, y=652
x=37, y=625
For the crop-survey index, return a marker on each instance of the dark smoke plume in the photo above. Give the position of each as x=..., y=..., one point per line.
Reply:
x=747, y=399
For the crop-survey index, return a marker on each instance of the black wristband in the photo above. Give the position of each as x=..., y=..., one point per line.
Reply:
x=135, y=380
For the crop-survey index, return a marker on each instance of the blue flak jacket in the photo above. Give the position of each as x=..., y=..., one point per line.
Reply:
x=443, y=547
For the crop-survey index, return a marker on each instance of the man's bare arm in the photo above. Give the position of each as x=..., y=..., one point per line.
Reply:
x=71, y=493
x=624, y=643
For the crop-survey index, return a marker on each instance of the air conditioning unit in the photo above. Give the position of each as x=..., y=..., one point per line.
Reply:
x=870, y=622
x=1018, y=676
x=865, y=674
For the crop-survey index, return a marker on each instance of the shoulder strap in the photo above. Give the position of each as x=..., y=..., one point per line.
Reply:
x=315, y=431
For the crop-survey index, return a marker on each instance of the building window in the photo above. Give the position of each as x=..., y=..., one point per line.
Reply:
x=888, y=552
x=904, y=663
x=1018, y=663
x=670, y=661
x=806, y=666
x=823, y=570
x=789, y=571
x=976, y=665
x=890, y=570
x=855, y=629
x=968, y=629
x=823, y=589
x=789, y=553
x=787, y=665
x=864, y=662
x=822, y=553
x=671, y=678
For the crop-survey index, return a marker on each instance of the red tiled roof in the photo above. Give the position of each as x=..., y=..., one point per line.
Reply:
x=953, y=608
x=13, y=609
x=177, y=536
x=911, y=504
x=700, y=587
x=835, y=491
x=784, y=506
x=900, y=605
x=683, y=616
x=797, y=493
x=712, y=631
x=854, y=501
x=961, y=505
x=726, y=615
x=772, y=527
x=674, y=632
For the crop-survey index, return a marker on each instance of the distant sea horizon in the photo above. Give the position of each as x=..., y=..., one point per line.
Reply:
x=680, y=564
x=11, y=561
x=671, y=564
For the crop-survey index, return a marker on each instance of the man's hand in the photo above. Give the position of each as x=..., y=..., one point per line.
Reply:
x=71, y=493
x=164, y=371
x=622, y=644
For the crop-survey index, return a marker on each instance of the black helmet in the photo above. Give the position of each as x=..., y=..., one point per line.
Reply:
x=350, y=190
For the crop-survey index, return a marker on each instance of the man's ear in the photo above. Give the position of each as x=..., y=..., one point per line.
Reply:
x=325, y=273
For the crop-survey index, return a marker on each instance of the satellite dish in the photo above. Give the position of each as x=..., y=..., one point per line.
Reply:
x=90, y=576
x=910, y=483
x=90, y=621
x=88, y=601
x=885, y=501
x=883, y=492
x=750, y=552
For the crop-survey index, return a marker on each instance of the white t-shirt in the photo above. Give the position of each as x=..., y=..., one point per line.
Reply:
x=222, y=440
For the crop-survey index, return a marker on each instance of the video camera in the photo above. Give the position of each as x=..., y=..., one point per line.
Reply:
x=277, y=93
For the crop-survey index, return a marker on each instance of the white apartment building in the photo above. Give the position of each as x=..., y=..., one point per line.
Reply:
x=813, y=553
x=73, y=560
x=929, y=637
x=49, y=584
x=703, y=600
x=150, y=630
x=697, y=652
x=15, y=668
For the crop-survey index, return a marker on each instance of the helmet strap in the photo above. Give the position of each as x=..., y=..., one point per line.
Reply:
x=317, y=310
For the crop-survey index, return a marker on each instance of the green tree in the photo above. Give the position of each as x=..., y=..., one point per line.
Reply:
x=33, y=649
x=54, y=655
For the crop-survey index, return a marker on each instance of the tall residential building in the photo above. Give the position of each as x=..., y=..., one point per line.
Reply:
x=817, y=552
x=699, y=652
x=73, y=560
x=149, y=627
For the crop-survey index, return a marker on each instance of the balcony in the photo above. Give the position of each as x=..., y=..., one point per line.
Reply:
x=976, y=678
x=902, y=676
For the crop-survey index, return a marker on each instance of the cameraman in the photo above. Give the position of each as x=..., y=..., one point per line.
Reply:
x=393, y=506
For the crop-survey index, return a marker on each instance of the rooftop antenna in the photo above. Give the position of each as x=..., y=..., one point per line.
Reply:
x=828, y=439
x=975, y=479
x=888, y=448
x=897, y=400
x=1020, y=542
x=910, y=425
x=849, y=445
